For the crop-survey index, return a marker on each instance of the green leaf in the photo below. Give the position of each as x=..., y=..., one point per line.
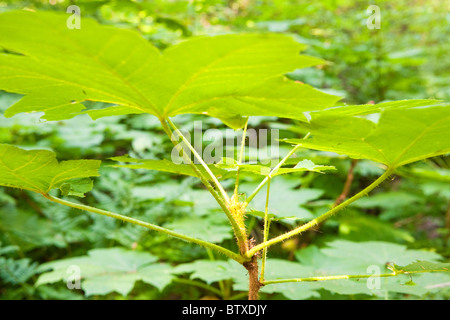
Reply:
x=302, y=166
x=165, y=166
x=315, y=262
x=39, y=171
x=342, y=257
x=209, y=228
x=76, y=187
x=7, y=249
x=426, y=174
x=212, y=271
x=389, y=200
x=284, y=201
x=227, y=76
x=107, y=270
x=16, y=272
x=423, y=266
x=270, y=216
x=282, y=269
x=400, y=135
x=201, y=202
x=362, y=227
x=29, y=231
x=359, y=255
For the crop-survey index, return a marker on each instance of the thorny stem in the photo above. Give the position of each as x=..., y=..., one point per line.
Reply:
x=220, y=200
x=311, y=279
x=345, y=190
x=202, y=177
x=249, y=258
x=147, y=225
x=266, y=233
x=322, y=217
x=241, y=154
x=199, y=158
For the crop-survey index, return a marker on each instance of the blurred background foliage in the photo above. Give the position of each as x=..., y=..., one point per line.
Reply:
x=407, y=58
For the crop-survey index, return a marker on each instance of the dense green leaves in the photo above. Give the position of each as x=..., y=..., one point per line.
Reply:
x=225, y=76
x=212, y=271
x=106, y=270
x=338, y=258
x=210, y=228
x=58, y=71
x=39, y=171
x=16, y=271
x=364, y=258
x=27, y=230
x=354, y=257
x=399, y=136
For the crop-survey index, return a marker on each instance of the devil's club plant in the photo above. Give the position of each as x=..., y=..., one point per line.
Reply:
x=229, y=77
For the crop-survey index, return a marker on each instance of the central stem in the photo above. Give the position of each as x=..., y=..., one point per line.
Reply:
x=222, y=199
x=254, y=284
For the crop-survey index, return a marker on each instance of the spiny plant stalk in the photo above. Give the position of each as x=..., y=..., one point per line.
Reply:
x=241, y=155
x=200, y=159
x=266, y=233
x=237, y=210
x=152, y=89
x=230, y=208
x=322, y=217
x=147, y=225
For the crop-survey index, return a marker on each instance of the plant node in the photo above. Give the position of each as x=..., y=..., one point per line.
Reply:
x=237, y=210
x=252, y=268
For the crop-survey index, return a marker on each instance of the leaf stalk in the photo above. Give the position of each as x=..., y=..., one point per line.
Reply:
x=147, y=225
x=322, y=217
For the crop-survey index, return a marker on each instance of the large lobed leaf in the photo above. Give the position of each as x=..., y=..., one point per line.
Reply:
x=39, y=171
x=104, y=271
x=226, y=76
x=338, y=258
x=394, y=134
x=117, y=269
